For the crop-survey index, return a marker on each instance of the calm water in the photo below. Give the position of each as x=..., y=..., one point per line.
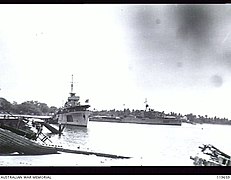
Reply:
x=152, y=145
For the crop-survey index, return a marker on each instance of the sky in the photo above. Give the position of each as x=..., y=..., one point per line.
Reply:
x=178, y=57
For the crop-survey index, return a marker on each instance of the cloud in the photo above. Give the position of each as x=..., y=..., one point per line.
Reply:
x=178, y=44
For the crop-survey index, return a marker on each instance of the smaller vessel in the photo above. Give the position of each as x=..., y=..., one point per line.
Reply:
x=73, y=113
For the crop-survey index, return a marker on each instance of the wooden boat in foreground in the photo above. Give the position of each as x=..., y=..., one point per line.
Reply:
x=11, y=142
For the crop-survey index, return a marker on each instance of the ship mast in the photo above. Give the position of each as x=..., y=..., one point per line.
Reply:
x=72, y=83
x=146, y=104
x=73, y=100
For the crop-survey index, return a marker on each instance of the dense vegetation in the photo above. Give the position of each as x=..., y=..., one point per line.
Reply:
x=28, y=107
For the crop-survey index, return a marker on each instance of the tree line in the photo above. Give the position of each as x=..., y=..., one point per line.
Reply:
x=27, y=107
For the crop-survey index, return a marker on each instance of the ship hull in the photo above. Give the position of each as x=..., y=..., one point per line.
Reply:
x=77, y=118
x=156, y=121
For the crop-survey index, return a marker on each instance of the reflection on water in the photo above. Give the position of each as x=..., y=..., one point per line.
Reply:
x=72, y=136
x=76, y=132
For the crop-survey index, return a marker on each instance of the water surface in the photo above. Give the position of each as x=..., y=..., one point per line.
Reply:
x=152, y=145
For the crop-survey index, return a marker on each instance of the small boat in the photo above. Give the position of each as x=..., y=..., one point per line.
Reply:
x=17, y=136
x=73, y=113
x=11, y=142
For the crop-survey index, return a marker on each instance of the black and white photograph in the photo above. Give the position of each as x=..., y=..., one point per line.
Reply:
x=103, y=85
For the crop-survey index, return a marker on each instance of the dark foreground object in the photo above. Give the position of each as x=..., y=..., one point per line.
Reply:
x=11, y=142
x=215, y=157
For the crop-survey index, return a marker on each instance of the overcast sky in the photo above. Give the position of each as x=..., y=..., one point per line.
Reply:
x=176, y=56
